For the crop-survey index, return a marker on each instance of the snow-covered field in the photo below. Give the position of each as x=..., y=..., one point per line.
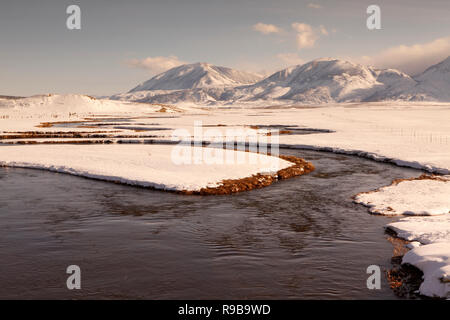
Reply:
x=408, y=134
x=423, y=197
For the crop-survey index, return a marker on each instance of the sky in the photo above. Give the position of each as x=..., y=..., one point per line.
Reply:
x=123, y=43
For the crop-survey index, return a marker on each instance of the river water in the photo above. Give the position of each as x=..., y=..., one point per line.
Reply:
x=301, y=238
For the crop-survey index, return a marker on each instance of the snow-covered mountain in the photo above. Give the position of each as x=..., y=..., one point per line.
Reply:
x=435, y=81
x=328, y=80
x=197, y=75
x=320, y=81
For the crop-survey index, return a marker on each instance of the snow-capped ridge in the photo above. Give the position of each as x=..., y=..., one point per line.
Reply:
x=197, y=75
x=327, y=80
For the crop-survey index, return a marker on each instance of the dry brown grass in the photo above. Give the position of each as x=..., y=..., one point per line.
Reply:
x=44, y=125
x=280, y=132
x=258, y=181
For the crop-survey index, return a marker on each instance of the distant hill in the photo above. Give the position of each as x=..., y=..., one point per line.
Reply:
x=197, y=75
x=10, y=97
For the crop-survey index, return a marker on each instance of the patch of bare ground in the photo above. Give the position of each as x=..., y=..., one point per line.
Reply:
x=404, y=279
x=22, y=142
x=47, y=135
x=12, y=138
x=75, y=122
x=87, y=121
x=89, y=127
x=258, y=181
x=280, y=132
x=44, y=125
x=214, y=125
x=52, y=123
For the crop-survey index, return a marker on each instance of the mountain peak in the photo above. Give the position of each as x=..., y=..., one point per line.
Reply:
x=320, y=69
x=197, y=75
x=199, y=64
x=325, y=59
x=331, y=80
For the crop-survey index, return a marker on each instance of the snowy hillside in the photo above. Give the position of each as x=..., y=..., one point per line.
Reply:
x=435, y=81
x=59, y=103
x=198, y=95
x=197, y=75
x=55, y=107
x=328, y=80
x=320, y=81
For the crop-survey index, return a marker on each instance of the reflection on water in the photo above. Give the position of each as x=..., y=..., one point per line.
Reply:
x=299, y=238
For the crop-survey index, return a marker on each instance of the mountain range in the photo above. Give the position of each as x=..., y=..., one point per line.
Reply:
x=324, y=80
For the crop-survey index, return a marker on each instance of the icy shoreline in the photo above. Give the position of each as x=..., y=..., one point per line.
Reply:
x=373, y=156
x=426, y=198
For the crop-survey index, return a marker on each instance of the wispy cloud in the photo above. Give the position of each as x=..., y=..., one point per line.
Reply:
x=314, y=6
x=323, y=30
x=266, y=28
x=157, y=64
x=411, y=59
x=306, y=36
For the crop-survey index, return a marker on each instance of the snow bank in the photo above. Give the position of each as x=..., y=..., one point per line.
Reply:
x=424, y=197
x=425, y=230
x=434, y=261
x=430, y=252
x=430, y=235
x=141, y=165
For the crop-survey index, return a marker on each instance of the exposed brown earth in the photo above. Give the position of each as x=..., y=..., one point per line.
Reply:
x=103, y=141
x=70, y=134
x=44, y=125
x=404, y=279
x=280, y=132
x=258, y=181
